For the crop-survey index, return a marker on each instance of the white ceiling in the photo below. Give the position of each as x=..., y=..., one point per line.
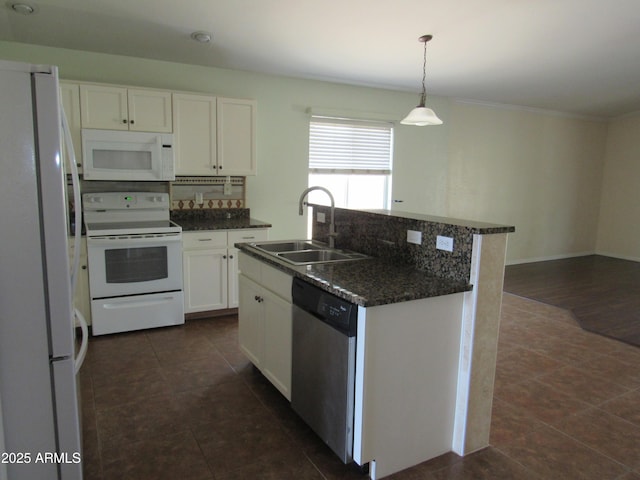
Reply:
x=576, y=56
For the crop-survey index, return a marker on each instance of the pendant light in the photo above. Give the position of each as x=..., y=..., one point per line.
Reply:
x=421, y=115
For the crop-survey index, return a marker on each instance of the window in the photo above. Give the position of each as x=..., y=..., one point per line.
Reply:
x=351, y=158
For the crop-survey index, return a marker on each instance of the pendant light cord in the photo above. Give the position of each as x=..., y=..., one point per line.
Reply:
x=423, y=97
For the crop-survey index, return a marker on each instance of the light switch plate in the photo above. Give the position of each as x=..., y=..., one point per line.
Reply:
x=444, y=243
x=414, y=237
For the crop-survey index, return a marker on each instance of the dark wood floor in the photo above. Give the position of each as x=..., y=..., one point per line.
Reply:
x=602, y=292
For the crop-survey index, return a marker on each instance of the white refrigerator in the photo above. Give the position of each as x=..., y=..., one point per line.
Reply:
x=39, y=412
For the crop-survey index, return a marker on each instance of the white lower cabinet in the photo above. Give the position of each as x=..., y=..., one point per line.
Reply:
x=264, y=318
x=210, y=268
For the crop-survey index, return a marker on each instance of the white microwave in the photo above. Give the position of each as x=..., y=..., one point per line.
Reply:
x=117, y=155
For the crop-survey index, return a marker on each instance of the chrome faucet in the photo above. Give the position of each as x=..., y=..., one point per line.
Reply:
x=332, y=225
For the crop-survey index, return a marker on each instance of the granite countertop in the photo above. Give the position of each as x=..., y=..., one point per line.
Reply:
x=220, y=219
x=368, y=282
x=481, y=228
x=189, y=225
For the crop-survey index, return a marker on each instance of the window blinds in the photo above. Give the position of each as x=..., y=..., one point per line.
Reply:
x=349, y=146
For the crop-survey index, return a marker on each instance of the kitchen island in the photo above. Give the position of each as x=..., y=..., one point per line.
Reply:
x=426, y=335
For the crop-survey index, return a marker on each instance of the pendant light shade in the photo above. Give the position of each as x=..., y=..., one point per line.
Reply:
x=421, y=115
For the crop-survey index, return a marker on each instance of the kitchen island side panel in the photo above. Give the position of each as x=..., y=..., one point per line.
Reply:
x=406, y=374
x=481, y=321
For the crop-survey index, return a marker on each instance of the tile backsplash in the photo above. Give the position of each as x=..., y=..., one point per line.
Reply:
x=384, y=235
x=186, y=193
x=207, y=193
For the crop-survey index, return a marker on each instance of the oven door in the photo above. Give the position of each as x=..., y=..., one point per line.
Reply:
x=134, y=264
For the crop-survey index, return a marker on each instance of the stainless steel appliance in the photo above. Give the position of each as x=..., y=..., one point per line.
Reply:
x=323, y=358
x=116, y=155
x=135, y=261
x=39, y=418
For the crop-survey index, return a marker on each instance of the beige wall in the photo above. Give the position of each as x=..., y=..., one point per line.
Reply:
x=538, y=171
x=619, y=223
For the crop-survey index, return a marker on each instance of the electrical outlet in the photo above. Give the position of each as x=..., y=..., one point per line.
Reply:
x=320, y=217
x=444, y=243
x=227, y=188
x=414, y=237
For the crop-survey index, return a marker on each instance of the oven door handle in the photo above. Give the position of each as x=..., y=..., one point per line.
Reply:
x=132, y=241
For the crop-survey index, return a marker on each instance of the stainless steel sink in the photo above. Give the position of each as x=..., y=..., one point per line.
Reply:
x=312, y=256
x=291, y=246
x=306, y=252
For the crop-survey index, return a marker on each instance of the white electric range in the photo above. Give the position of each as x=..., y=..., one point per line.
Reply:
x=135, y=261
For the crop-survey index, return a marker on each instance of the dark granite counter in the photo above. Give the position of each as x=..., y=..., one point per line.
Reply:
x=367, y=282
x=480, y=228
x=220, y=219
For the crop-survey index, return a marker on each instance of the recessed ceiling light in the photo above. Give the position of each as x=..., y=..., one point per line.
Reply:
x=202, y=37
x=23, y=8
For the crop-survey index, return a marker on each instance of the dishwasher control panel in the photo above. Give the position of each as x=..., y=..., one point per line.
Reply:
x=333, y=310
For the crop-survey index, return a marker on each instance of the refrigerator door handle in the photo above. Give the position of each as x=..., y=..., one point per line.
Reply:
x=79, y=360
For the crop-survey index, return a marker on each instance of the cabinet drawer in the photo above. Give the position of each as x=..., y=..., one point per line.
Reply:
x=249, y=267
x=277, y=281
x=249, y=235
x=208, y=239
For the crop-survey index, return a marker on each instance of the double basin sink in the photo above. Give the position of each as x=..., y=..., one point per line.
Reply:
x=306, y=252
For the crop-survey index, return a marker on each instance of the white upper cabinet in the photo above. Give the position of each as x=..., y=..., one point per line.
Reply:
x=236, y=136
x=120, y=108
x=214, y=135
x=194, y=121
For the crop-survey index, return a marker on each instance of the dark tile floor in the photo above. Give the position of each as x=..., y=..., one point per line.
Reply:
x=184, y=403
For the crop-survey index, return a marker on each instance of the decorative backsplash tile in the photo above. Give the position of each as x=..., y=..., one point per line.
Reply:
x=207, y=193
x=206, y=204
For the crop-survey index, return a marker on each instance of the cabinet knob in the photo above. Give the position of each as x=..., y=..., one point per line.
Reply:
x=256, y=298
x=224, y=257
x=231, y=257
x=131, y=122
x=124, y=120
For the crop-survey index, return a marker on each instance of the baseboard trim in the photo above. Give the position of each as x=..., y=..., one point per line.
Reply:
x=210, y=313
x=621, y=257
x=552, y=257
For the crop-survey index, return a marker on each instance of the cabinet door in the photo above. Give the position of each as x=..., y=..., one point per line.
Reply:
x=236, y=136
x=150, y=111
x=232, y=269
x=251, y=321
x=104, y=107
x=240, y=236
x=205, y=280
x=70, y=95
x=194, y=128
x=276, y=364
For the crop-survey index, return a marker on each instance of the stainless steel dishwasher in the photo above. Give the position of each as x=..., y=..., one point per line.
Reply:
x=324, y=357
